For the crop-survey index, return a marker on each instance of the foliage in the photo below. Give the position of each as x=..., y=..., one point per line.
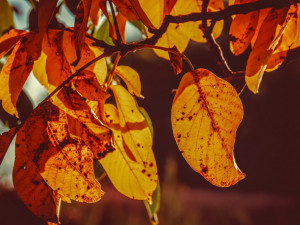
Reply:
x=90, y=115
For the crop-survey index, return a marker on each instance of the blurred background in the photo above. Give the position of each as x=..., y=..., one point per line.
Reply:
x=267, y=148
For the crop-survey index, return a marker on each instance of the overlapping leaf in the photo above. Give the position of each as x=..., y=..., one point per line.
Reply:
x=63, y=160
x=136, y=173
x=131, y=78
x=180, y=34
x=206, y=112
x=5, y=140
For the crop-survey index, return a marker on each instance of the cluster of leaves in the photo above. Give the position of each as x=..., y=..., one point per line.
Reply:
x=75, y=126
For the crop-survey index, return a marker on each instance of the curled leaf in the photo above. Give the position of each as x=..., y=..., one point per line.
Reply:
x=131, y=79
x=206, y=112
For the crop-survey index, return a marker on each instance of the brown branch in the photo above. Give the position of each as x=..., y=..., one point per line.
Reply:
x=218, y=15
x=111, y=74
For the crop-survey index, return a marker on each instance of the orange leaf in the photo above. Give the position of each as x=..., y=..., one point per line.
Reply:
x=84, y=124
x=5, y=140
x=126, y=8
x=206, y=112
x=176, y=60
x=46, y=9
x=81, y=20
x=30, y=186
x=9, y=40
x=13, y=76
x=64, y=161
x=264, y=46
x=95, y=12
x=241, y=31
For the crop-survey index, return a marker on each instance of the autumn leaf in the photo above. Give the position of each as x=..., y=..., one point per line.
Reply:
x=263, y=48
x=134, y=176
x=131, y=79
x=88, y=53
x=175, y=60
x=180, y=34
x=81, y=20
x=95, y=11
x=38, y=197
x=206, y=112
x=13, y=76
x=9, y=40
x=83, y=122
x=63, y=160
x=242, y=30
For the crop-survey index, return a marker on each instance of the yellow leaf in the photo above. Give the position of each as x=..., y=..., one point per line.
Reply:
x=154, y=9
x=206, y=112
x=6, y=16
x=135, y=131
x=134, y=177
x=180, y=34
x=131, y=79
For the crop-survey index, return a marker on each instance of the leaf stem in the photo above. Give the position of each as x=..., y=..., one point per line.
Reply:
x=111, y=74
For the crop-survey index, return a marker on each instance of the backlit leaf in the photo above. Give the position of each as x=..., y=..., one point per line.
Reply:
x=88, y=53
x=176, y=60
x=13, y=76
x=264, y=47
x=84, y=123
x=95, y=12
x=63, y=160
x=9, y=40
x=242, y=30
x=133, y=176
x=81, y=20
x=131, y=78
x=206, y=112
x=38, y=197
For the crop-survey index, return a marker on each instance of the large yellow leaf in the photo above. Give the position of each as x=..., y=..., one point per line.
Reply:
x=13, y=76
x=135, y=131
x=133, y=177
x=131, y=78
x=206, y=112
x=263, y=48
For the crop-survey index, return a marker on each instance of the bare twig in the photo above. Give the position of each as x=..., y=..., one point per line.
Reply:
x=112, y=72
x=119, y=38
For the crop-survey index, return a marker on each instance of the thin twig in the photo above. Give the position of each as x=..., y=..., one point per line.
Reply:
x=119, y=38
x=112, y=72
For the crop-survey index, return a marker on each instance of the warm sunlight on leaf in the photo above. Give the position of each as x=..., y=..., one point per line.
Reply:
x=206, y=112
x=82, y=16
x=241, y=31
x=264, y=47
x=88, y=53
x=13, y=76
x=135, y=177
x=131, y=79
x=63, y=160
x=38, y=197
x=9, y=40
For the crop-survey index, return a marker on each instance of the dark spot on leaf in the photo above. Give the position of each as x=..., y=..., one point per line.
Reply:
x=36, y=182
x=190, y=117
x=151, y=164
x=143, y=171
x=204, y=170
